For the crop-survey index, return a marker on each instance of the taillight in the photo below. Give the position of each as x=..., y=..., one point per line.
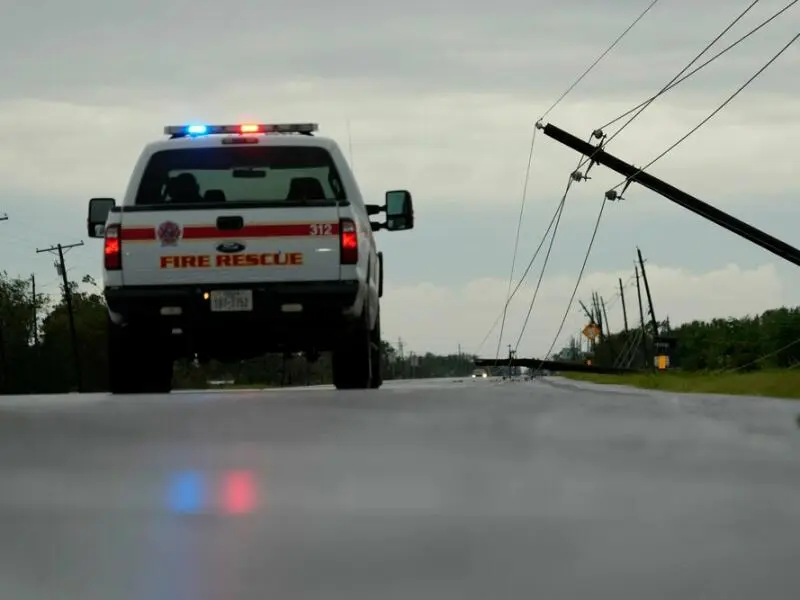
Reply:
x=348, y=242
x=113, y=248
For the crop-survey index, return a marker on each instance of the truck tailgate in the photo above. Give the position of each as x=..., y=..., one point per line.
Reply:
x=252, y=245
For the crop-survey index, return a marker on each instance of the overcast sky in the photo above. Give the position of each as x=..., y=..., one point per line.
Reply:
x=441, y=99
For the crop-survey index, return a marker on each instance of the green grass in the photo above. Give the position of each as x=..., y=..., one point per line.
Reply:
x=773, y=383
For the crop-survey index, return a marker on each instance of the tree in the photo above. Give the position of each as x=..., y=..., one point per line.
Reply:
x=91, y=327
x=18, y=370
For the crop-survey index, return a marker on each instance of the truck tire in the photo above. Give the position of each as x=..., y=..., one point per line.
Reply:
x=376, y=379
x=137, y=364
x=352, y=358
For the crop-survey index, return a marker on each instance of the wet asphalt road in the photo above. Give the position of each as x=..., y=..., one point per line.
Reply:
x=423, y=490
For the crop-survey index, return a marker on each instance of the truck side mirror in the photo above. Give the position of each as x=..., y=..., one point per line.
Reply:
x=99, y=209
x=399, y=210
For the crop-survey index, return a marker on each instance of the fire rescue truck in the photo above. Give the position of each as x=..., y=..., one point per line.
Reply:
x=233, y=241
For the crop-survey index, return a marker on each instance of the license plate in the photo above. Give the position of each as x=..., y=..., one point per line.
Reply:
x=231, y=300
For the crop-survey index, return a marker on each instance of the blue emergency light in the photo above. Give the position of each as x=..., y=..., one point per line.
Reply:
x=198, y=129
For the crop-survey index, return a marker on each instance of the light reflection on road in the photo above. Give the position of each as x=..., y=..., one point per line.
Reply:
x=231, y=492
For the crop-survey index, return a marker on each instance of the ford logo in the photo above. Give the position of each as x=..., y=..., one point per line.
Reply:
x=230, y=247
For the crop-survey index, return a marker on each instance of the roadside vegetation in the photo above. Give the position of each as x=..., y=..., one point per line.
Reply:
x=755, y=355
x=36, y=351
x=776, y=383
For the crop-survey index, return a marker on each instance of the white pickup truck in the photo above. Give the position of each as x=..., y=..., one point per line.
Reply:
x=234, y=241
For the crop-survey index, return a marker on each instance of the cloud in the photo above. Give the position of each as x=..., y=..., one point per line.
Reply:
x=453, y=150
x=436, y=318
x=178, y=48
x=440, y=100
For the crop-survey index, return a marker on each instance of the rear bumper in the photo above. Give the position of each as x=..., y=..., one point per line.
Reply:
x=275, y=319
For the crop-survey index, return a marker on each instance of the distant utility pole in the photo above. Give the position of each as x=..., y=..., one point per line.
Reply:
x=605, y=315
x=624, y=308
x=62, y=269
x=639, y=294
x=601, y=324
x=35, y=315
x=641, y=316
x=653, y=321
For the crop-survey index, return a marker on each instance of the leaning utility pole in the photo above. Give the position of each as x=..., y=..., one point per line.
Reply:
x=624, y=308
x=653, y=321
x=605, y=316
x=607, y=330
x=589, y=315
x=641, y=316
x=61, y=267
x=598, y=315
x=679, y=197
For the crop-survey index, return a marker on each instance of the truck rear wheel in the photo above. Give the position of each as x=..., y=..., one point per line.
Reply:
x=137, y=364
x=376, y=342
x=352, y=359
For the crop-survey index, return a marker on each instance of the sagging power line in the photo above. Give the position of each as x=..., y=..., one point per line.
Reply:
x=683, y=75
x=577, y=176
x=632, y=174
x=569, y=89
x=711, y=115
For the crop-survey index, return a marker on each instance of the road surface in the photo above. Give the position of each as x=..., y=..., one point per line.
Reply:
x=422, y=490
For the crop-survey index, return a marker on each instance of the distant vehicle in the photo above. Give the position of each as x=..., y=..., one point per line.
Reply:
x=233, y=241
x=480, y=374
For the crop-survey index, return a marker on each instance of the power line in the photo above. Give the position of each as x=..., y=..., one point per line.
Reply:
x=759, y=359
x=544, y=263
x=516, y=242
x=556, y=215
x=577, y=284
x=610, y=195
x=530, y=158
x=678, y=80
x=522, y=278
x=528, y=170
x=599, y=58
x=681, y=77
x=713, y=113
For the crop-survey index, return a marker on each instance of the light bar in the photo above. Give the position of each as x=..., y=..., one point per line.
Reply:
x=199, y=129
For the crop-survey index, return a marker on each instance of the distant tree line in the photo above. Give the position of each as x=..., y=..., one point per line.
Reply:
x=36, y=351
x=770, y=340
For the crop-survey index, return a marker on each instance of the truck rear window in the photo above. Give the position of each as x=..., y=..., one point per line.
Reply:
x=240, y=174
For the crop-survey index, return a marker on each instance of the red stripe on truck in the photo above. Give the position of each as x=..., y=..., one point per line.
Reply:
x=211, y=232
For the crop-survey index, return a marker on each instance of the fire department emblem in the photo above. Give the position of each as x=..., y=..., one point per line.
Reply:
x=169, y=233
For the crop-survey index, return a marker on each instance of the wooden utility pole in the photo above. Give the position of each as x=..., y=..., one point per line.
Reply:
x=624, y=308
x=670, y=192
x=598, y=315
x=607, y=332
x=639, y=294
x=35, y=315
x=62, y=269
x=641, y=317
x=605, y=316
x=653, y=321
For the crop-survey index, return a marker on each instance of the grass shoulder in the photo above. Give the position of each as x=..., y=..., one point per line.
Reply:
x=784, y=383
